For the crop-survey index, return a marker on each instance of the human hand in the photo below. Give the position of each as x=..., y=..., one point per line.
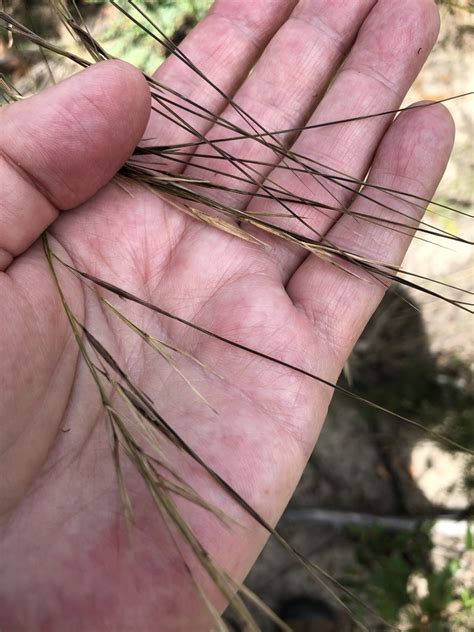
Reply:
x=63, y=548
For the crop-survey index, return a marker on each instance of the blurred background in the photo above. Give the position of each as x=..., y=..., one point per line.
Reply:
x=381, y=507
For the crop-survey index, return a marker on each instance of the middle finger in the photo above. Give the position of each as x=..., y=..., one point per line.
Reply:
x=389, y=52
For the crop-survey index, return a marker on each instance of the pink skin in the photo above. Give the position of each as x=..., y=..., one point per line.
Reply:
x=64, y=559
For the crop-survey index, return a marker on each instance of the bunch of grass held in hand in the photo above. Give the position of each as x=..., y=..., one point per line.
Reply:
x=271, y=228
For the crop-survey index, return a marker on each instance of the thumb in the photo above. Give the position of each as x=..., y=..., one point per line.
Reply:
x=61, y=146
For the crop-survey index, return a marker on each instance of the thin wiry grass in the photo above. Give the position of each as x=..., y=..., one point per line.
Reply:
x=145, y=411
x=123, y=294
x=164, y=180
x=185, y=194
x=159, y=488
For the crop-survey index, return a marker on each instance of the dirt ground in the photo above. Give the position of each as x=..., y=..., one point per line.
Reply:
x=450, y=71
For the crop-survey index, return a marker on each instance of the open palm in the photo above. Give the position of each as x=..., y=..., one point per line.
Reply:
x=63, y=547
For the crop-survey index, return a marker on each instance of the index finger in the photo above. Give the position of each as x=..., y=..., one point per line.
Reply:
x=224, y=46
